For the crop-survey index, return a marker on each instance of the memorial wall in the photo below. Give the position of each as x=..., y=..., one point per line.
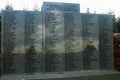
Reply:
x=34, y=41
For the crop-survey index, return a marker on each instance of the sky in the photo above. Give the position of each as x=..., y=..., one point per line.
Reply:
x=98, y=6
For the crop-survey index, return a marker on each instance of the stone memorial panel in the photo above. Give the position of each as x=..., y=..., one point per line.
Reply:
x=90, y=41
x=106, y=42
x=73, y=41
x=54, y=42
